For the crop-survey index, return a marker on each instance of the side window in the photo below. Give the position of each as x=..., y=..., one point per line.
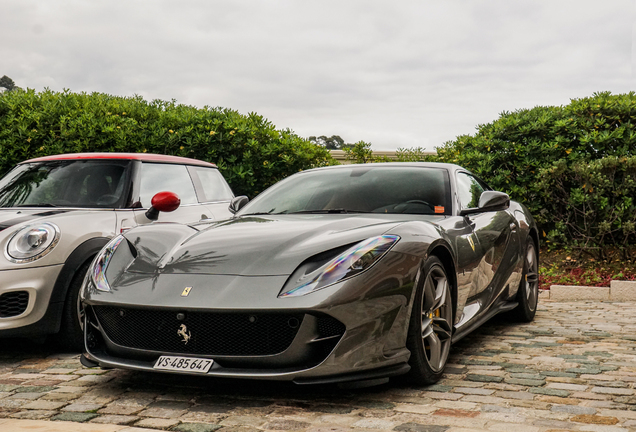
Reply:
x=215, y=188
x=165, y=177
x=469, y=190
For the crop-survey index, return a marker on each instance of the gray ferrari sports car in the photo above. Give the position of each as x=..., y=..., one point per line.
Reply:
x=347, y=273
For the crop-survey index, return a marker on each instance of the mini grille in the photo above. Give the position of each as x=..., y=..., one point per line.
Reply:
x=13, y=303
x=230, y=334
x=328, y=326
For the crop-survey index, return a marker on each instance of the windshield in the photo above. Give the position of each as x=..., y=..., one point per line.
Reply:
x=359, y=189
x=74, y=183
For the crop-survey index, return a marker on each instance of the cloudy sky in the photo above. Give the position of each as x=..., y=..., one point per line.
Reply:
x=404, y=73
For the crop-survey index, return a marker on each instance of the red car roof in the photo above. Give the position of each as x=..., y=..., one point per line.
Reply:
x=147, y=157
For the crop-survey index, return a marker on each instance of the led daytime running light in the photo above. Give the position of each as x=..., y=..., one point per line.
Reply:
x=98, y=270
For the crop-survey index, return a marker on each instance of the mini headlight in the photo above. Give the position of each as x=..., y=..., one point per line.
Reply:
x=348, y=264
x=100, y=264
x=32, y=242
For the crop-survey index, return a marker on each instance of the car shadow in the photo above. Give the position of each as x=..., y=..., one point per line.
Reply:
x=248, y=393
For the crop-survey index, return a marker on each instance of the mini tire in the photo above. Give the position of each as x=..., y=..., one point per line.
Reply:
x=71, y=333
x=431, y=324
x=528, y=293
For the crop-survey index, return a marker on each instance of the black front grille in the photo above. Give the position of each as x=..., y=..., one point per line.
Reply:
x=222, y=334
x=13, y=303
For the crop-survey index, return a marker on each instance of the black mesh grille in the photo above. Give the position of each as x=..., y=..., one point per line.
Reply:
x=328, y=326
x=231, y=334
x=13, y=303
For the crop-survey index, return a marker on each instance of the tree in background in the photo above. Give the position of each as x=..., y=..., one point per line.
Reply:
x=7, y=83
x=334, y=142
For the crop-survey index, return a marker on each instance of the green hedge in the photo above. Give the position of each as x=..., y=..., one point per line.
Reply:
x=539, y=156
x=593, y=204
x=251, y=153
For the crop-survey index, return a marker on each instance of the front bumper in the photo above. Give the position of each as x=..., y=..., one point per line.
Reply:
x=349, y=331
x=24, y=298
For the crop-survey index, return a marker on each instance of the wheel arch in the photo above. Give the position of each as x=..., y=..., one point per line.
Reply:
x=534, y=235
x=444, y=254
x=82, y=253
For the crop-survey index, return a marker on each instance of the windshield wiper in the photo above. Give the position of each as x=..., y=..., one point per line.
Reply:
x=327, y=211
x=259, y=213
x=37, y=205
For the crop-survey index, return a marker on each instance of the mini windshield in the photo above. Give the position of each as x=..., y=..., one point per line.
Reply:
x=359, y=189
x=71, y=183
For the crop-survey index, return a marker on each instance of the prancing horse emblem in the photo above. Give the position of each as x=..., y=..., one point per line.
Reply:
x=186, y=291
x=184, y=333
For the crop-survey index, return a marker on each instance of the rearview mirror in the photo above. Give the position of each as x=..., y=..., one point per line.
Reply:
x=238, y=203
x=489, y=201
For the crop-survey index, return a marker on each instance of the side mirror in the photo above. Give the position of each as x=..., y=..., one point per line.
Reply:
x=162, y=202
x=489, y=201
x=238, y=203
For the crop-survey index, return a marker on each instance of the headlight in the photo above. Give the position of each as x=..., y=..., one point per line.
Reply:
x=351, y=262
x=32, y=242
x=100, y=264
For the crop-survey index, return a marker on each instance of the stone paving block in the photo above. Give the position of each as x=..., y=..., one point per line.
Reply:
x=416, y=427
x=484, y=378
x=82, y=407
x=474, y=391
x=26, y=396
x=196, y=427
x=33, y=415
x=549, y=391
x=612, y=391
x=573, y=409
x=456, y=405
x=415, y=409
x=156, y=423
x=515, y=395
x=447, y=396
x=243, y=421
x=517, y=427
x=566, y=386
x=525, y=382
x=115, y=419
x=594, y=419
x=44, y=405
x=74, y=417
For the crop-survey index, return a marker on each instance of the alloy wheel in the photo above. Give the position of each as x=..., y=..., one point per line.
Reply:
x=532, y=278
x=436, y=318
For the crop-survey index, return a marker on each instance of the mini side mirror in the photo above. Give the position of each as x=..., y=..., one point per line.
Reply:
x=489, y=201
x=163, y=202
x=238, y=203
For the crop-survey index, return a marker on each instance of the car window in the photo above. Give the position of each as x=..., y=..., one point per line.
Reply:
x=469, y=190
x=408, y=190
x=72, y=183
x=165, y=177
x=215, y=188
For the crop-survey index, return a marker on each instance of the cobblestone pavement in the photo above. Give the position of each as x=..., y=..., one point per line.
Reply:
x=574, y=368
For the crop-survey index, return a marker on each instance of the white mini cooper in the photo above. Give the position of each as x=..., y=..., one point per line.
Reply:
x=57, y=212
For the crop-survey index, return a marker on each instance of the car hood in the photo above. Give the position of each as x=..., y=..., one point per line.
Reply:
x=248, y=246
x=13, y=217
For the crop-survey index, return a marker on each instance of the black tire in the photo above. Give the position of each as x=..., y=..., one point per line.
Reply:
x=431, y=324
x=528, y=293
x=72, y=327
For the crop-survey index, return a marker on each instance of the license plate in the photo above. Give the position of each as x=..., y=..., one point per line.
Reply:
x=183, y=364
